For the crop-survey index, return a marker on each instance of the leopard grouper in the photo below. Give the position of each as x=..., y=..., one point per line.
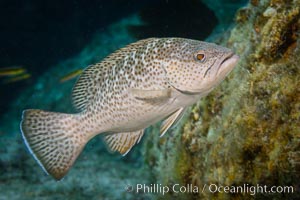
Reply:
x=131, y=89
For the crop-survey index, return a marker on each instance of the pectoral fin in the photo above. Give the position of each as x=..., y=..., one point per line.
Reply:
x=151, y=95
x=171, y=120
x=123, y=142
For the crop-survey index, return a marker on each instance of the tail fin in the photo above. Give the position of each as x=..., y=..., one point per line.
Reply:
x=54, y=139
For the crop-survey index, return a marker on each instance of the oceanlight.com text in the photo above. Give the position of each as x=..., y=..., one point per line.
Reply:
x=250, y=189
x=210, y=188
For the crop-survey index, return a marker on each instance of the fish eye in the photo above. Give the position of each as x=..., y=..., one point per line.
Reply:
x=200, y=57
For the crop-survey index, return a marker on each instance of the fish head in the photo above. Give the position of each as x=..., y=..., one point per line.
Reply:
x=196, y=67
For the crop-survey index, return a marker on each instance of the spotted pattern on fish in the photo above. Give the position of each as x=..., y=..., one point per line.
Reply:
x=131, y=89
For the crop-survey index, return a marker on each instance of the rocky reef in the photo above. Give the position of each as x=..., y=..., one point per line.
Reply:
x=247, y=131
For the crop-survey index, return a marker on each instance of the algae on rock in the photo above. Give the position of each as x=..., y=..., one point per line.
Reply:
x=247, y=131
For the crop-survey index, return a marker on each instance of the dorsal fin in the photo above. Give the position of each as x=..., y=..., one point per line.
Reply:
x=93, y=76
x=85, y=87
x=123, y=142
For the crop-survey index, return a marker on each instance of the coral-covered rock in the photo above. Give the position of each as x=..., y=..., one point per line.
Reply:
x=247, y=131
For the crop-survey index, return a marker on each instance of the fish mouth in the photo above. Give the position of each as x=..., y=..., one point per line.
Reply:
x=227, y=64
x=222, y=69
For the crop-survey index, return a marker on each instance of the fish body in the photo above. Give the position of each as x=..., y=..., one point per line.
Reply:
x=131, y=89
x=70, y=75
x=12, y=71
x=13, y=79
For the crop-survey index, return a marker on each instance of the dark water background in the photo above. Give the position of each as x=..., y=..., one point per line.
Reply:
x=38, y=34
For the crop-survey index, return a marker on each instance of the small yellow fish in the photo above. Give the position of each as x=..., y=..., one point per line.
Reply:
x=17, y=78
x=70, y=75
x=135, y=87
x=12, y=71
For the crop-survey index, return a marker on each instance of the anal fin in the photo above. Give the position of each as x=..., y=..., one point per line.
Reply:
x=171, y=120
x=123, y=142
